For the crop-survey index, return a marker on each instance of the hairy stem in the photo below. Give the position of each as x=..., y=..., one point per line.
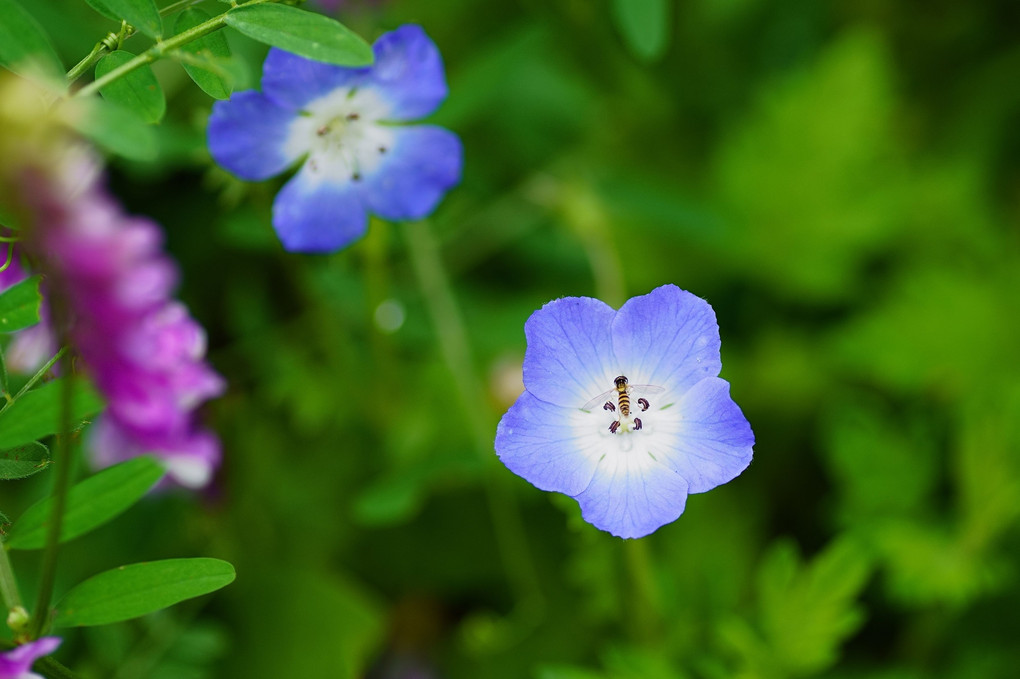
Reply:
x=8, y=586
x=160, y=49
x=452, y=336
x=41, y=612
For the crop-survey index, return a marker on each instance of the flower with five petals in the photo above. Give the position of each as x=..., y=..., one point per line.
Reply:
x=340, y=120
x=624, y=410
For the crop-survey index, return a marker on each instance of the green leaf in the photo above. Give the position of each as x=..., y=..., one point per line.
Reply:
x=24, y=46
x=90, y=504
x=22, y=461
x=644, y=25
x=37, y=413
x=211, y=48
x=142, y=14
x=19, y=305
x=138, y=91
x=103, y=9
x=304, y=33
x=117, y=130
x=131, y=591
x=3, y=373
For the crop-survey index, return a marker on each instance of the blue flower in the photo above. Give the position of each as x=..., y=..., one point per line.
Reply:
x=624, y=410
x=340, y=121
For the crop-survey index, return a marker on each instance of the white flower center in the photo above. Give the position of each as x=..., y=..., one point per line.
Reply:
x=341, y=135
x=627, y=414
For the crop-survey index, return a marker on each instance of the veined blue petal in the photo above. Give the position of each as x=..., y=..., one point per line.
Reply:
x=311, y=214
x=632, y=495
x=422, y=165
x=552, y=448
x=667, y=338
x=294, y=81
x=248, y=134
x=704, y=437
x=569, y=359
x=408, y=73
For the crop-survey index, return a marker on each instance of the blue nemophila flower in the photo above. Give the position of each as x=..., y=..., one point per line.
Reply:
x=624, y=410
x=340, y=121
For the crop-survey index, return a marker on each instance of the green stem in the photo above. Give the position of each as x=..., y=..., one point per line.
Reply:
x=8, y=585
x=85, y=64
x=449, y=326
x=645, y=610
x=160, y=49
x=36, y=377
x=41, y=612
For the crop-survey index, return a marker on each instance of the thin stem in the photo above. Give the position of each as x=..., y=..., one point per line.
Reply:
x=8, y=585
x=645, y=610
x=79, y=69
x=10, y=256
x=453, y=342
x=160, y=49
x=37, y=376
x=41, y=612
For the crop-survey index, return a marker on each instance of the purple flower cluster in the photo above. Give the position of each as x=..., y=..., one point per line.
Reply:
x=17, y=663
x=142, y=349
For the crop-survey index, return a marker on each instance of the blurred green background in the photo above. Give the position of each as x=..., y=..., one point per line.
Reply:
x=840, y=180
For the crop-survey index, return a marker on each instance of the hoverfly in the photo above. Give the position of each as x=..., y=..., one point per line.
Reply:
x=623, y=390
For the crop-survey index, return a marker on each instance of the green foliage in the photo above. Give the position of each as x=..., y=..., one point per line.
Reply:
x=24, y=45
x=19, y=305
x=91, y=503
x=103, y=9
x=23, y=461
x=37, y=413
x=137, y=589
x=138, y=91
x=142, y=14
x=644, y=25
x=117, y=130
x=212, y=51
x=305, y=33
x=803, y=611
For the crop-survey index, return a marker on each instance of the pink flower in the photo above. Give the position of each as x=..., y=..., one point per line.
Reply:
x=108, y=276
x=17, y=663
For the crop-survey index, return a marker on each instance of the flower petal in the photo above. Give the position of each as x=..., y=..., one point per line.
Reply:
x=18, y=661
x=668, y=338
x=552, y=448
x=248, y=134
x=704, y=437
x=293, y=81
x=632, y=495
x=408, y=73
x=313, y=215
x=569, y=359
x=422, y=165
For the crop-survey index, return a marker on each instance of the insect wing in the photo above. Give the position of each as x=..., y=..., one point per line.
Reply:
x=600, y=399
x=644, y=389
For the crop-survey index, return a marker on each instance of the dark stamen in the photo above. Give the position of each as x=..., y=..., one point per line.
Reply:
x=643, y=402
x=352, y=116
x=637, y=424
x=609, y=406
x=614, y=426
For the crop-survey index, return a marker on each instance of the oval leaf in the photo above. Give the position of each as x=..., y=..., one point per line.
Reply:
x=103, y=9
x=23, y=43
x=211, y=48
x=90, y=504
x=37, y=413
x=138, y=91
x=130, y=591
x=19, y=305
x=309, y=35
x=644, y=25
x=17, y=463
x=142, y=14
